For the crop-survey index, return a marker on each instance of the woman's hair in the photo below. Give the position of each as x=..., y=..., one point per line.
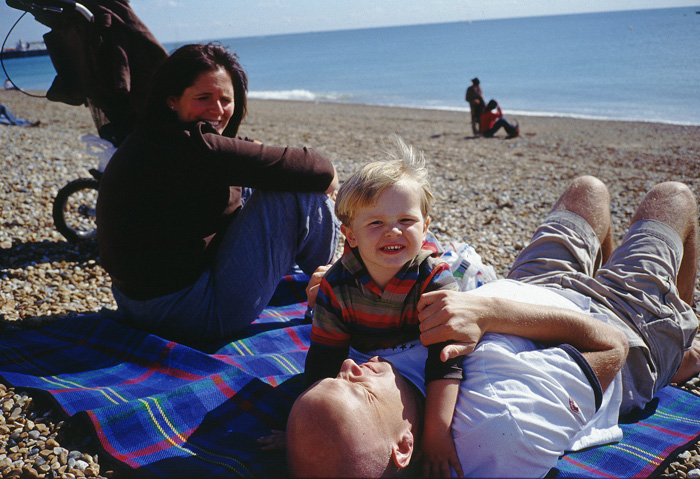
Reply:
x=181, y=69
x=491, y=105
x=365, y=186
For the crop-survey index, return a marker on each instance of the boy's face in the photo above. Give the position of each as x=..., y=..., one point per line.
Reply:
x=390, y=232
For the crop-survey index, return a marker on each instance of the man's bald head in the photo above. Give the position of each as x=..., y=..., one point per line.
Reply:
x=330, y=436
x=359, y=424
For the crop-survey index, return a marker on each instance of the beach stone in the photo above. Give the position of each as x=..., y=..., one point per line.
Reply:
x=75, y=454
x=685, y=455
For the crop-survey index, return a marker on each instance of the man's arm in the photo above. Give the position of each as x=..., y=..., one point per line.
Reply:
x=465, y=318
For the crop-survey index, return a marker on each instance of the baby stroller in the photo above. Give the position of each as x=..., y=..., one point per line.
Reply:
x=104, y=57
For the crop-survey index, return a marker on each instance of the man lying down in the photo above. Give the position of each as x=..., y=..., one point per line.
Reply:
x=578, y=333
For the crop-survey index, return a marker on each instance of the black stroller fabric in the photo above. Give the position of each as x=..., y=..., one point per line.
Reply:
x=105, y=64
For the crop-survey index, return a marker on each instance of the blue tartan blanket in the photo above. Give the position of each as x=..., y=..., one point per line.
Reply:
x=162, y=409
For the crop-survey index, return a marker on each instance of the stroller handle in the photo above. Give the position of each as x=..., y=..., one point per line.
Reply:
x=51, y=6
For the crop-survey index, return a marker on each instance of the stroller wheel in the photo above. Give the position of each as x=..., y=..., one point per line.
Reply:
x=74, y=210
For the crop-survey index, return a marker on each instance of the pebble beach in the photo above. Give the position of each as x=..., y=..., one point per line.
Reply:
x=490, y=193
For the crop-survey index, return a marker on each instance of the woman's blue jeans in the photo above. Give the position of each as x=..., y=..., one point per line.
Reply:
x=274, y=231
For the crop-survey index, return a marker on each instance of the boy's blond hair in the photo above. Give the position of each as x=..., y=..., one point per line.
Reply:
x=366, y=185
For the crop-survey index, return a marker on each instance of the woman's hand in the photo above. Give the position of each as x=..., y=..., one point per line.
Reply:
x=314, y=283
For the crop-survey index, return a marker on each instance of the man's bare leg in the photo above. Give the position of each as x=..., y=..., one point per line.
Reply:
x=589, y=198
x=674, y=204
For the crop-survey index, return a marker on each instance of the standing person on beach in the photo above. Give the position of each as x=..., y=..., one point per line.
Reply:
x=187, y=261
x=368, y=298
x=578, y=333
x=476, y=104
x=492, y=121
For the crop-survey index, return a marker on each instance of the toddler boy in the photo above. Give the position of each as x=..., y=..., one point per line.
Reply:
x=368, y=298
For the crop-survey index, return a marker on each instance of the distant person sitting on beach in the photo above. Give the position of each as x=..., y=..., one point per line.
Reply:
x=578, y=333
x=7, y=115
x=368, y=298
x=492, y=120
x=7, y=118
x=187, y=261
x=476, y=104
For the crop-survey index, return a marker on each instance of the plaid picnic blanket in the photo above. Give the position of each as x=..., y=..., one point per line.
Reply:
x=162, y=409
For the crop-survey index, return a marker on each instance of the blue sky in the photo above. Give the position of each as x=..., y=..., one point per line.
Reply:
x=189, y=20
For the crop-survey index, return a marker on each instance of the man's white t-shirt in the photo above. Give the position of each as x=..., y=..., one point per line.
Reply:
x=521, y=407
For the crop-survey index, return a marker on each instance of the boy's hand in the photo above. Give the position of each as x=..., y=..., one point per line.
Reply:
x=314, y=283
x=274, y=442
x=439, y=454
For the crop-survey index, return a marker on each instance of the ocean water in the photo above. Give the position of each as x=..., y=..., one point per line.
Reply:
x=634, y=65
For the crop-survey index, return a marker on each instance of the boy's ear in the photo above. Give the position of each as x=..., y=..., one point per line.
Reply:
x=349, y=236
x=427, y=223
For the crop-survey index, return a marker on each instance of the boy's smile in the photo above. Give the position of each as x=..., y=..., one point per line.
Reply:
x=390, y=232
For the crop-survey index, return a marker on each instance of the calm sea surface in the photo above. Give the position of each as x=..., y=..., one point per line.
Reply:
x=636, y=65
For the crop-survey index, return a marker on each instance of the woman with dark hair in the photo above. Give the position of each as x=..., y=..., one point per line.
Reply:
x=492, y=121
x=181, y=71
x=187, y=260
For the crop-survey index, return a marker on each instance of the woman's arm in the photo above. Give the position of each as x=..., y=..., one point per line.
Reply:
x=267, y=167
x=465, y=318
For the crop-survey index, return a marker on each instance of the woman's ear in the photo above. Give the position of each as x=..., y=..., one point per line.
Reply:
x=349, y=235
x=171, y=101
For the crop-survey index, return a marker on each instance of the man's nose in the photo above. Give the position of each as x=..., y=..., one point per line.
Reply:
x=351, y=368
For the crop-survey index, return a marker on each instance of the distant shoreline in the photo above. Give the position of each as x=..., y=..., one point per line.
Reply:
x=507, y=112
x=511, y=114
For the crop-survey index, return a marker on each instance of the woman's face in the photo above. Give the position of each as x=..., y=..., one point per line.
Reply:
x=209, y=98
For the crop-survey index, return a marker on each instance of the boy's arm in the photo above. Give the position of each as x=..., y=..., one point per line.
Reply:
x=441, y=279
x=437, y=443
x=330, y=341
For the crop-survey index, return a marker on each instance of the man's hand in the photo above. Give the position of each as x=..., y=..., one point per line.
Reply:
x=314, y=283
x=452, y=316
